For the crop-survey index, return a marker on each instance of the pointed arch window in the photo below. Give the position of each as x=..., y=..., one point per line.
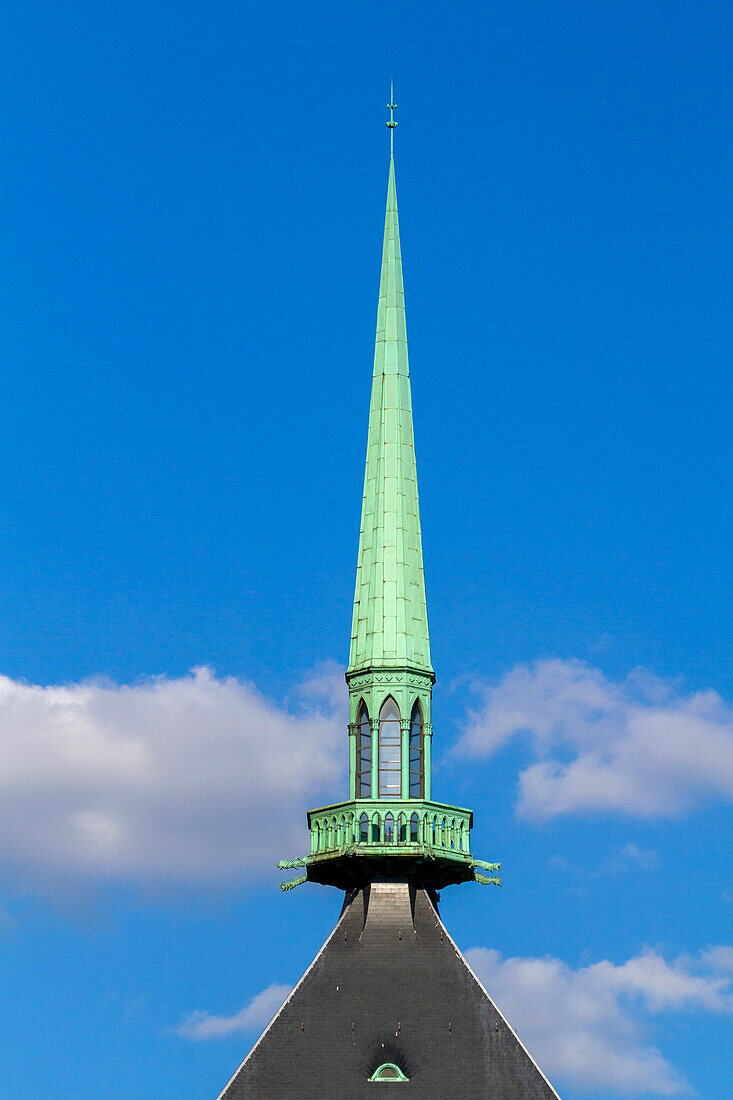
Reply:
x=390, y=750
x=417, y=768
x=363, y=754
x=414, y=829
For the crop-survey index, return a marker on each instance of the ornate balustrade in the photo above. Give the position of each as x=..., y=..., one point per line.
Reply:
x=382, y=827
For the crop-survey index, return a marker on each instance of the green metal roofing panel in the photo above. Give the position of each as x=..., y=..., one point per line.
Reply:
x=390, y=624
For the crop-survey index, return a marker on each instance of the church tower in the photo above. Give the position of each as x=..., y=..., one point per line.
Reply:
x=389, y=999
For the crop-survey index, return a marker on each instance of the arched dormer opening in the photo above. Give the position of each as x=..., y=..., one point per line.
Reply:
x=388, y=1072
x=417, y=754
x=390, y=750
x=363, y=753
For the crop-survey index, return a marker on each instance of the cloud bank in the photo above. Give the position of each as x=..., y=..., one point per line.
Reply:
x=200, y=779
x=639, y=745
x=187, y=780
x=586, y=1028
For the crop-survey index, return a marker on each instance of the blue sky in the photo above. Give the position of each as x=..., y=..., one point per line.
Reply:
x=193, y=201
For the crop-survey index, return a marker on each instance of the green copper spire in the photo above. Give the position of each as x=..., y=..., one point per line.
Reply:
x=390, y=623
x=390, y=827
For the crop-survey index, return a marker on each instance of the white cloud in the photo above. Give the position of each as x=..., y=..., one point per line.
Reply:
x=253, y=1017
x=638, y=745
x=719, y=959
x=166, y=781
x=586, y=1027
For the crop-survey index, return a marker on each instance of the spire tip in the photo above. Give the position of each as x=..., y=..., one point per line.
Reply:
x=392, y=107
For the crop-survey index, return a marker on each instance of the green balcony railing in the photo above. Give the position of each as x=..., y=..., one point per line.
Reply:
x=385, y=827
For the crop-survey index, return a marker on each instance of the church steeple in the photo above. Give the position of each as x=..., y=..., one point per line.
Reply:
x=390, y=622
x=390, y=826
x=389, y=998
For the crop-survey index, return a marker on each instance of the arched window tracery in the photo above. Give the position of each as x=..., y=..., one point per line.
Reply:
x=390, y=750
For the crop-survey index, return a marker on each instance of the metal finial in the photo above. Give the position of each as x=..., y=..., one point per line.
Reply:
x=392, y=108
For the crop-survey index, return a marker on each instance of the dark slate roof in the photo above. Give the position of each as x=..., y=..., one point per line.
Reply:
x=389, y=985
